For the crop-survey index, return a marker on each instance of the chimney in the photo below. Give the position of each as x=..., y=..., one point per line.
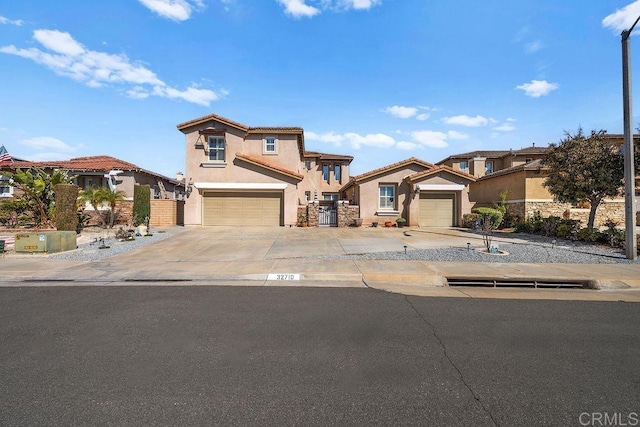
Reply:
x=179, y=177
x=534, y=145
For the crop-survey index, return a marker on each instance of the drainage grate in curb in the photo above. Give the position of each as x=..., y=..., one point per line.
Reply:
x=520, y=283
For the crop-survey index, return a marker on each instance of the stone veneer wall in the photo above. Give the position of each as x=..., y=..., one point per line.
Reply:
x=608, y=210
x=347, y=213
x=313, y=214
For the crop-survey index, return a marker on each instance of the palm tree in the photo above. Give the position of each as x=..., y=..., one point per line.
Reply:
x=94, y=196
x=112, y=197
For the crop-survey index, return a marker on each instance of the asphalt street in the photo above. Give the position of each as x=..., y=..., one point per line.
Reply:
x=206, y=355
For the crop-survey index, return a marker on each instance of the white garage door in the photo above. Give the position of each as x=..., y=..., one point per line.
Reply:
x=250, y=208
x=437, y=210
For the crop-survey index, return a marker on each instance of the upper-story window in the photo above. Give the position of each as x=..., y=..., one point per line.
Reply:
x=488, y=167
x=307, y=164
x=6, y=189
x=464, y=166
x=337, y=172
x=325, y=172
x=270, y=145
x=216, y=148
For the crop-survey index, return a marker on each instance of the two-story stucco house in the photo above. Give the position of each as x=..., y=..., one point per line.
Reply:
x=242, y=175
x=486, y=162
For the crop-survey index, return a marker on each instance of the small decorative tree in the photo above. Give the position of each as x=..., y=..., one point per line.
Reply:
x=490, y=220
x=141, y=204
x=66, y=218
x=93, y=196
x=112, y=197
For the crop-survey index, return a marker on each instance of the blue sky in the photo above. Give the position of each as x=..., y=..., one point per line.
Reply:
x=381, y=80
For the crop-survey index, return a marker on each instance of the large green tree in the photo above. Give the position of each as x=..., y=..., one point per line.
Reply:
x=585, y=169
x=37, y=189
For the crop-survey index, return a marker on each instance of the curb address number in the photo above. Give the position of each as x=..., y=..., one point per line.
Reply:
x=283, y=276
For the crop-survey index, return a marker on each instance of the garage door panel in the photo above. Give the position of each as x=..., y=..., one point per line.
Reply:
x=250, y=208
x=437, y=210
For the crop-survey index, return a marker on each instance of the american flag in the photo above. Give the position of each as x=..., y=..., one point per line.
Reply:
x=4, y=155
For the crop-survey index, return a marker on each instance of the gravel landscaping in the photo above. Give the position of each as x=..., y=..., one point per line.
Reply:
x=90, y=249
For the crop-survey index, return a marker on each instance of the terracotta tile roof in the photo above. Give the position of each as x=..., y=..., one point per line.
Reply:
x=84, y=164
x=496, y=154
x=531, y=166
x=261, y=162
x=245, y=128
x=440, y=168
x=327, y=156
x=388, y=168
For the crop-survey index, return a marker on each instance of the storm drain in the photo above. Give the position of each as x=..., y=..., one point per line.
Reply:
x=520, y=283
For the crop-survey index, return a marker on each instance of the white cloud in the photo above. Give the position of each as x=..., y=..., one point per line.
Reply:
x=330, y=137
x=379, y=140
x=48, y=143
x=429, y=138
x=506, y=127
x=405, y=145
x=533, y=46
x=452, y=134
x=419, y=113
x=298, y=8
x=177, y=10
x=622, y=19
x=8, y=21
x=401, y=112
x=464, y=120
x=538, y=88
x=71, y=59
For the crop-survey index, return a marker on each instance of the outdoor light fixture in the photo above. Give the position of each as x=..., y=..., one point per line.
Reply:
x=189, y=188
x=631, y=245
x=468, y=246
x=405, y=249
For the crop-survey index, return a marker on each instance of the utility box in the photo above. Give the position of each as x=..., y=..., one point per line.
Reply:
x=46, y=241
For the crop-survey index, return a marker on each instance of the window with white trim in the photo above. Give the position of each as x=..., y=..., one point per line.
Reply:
x=6, y=190
x=387, y=197
x=216, y=148
x=270, y=146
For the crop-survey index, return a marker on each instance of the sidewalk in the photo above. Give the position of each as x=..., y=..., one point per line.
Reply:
x=255, y=256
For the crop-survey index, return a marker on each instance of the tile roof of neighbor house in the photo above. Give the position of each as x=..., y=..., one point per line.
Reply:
x=85, y=164
x=379, y=171
x=535, y=165
x=260, y=162
x=496, y=154
x=437, y=169
x=327, y=156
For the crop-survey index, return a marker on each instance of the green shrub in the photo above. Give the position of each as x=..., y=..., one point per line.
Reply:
x=141, y=204
x=65, y=213
x=469, y=220
x=489, y=216
x=549, y=225
x=589, y=234
x=13, y=212
x=522, y=227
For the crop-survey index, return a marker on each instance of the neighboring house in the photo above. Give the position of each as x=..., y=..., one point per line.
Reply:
x=486, y=162
x=241, y=175
x=106, y=171
x=420, y=192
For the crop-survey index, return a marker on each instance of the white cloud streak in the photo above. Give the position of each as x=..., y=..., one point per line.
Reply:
x=56, y=149
x=467, y=121
x=421, y=139
x=538, y=88
x=69, y=58
x=300, y=8
x=401, y=112
x=176, y=10
x=7, y=21
x=622, y=19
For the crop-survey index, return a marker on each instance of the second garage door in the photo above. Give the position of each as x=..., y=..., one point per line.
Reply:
x=251, y=208
x=437, y=210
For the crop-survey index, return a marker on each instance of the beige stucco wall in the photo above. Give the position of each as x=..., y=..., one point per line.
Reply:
x=236, y=170
x=463, y=204
x=486, y=191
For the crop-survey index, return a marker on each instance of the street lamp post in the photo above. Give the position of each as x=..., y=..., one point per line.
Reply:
x=631, y=245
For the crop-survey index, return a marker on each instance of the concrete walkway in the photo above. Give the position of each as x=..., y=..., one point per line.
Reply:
x=263, y=256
